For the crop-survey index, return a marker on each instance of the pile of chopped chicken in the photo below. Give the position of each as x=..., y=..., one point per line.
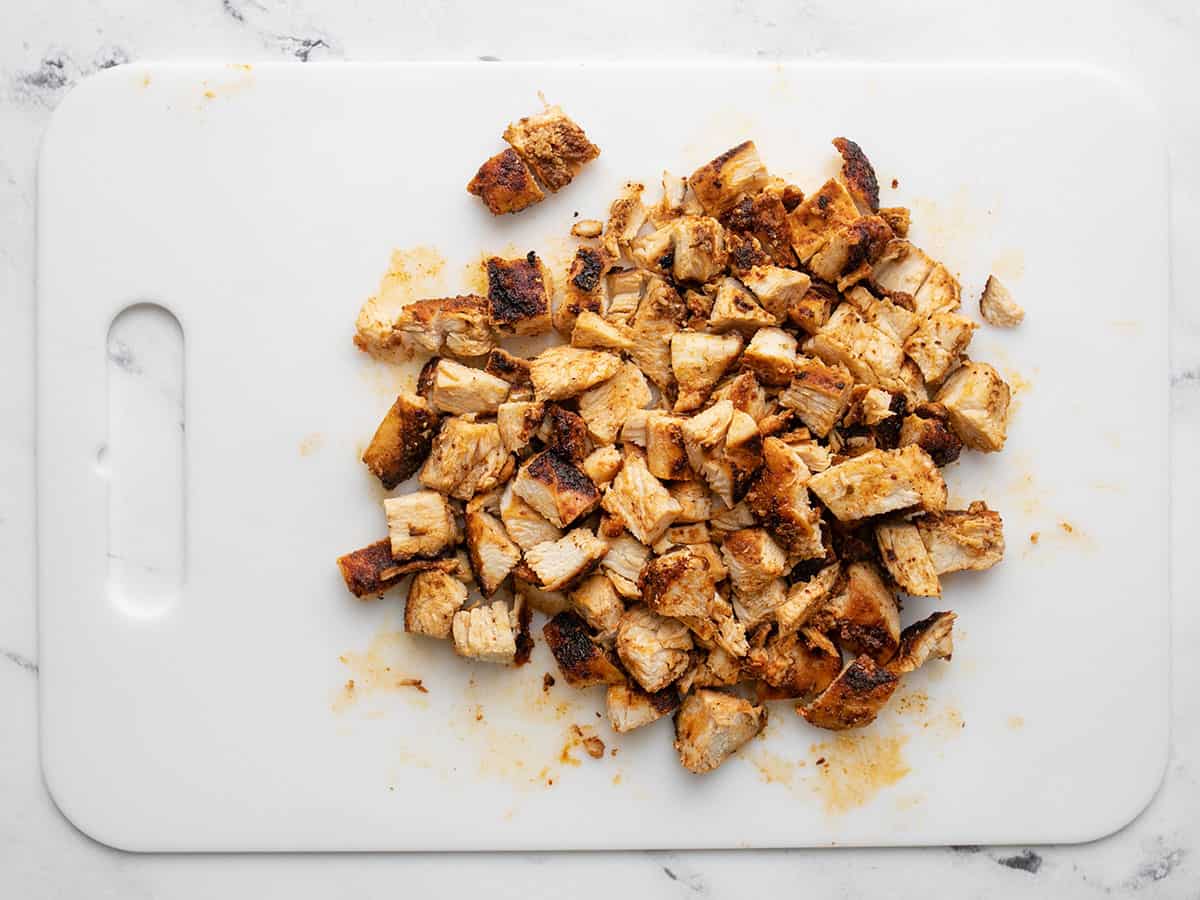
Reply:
x=719, y=486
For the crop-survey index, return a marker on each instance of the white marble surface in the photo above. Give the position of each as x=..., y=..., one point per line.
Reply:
x=46, y=47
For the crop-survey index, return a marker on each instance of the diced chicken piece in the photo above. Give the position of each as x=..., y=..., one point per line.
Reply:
x=720, y=183
x=743, y=448
x=671, y=205
x=780, y=501
x=455, y=325
x=453, y=388
x=640, y=500
x=998, y=307
x=485, y=633
x=754, y=561
x=933, y=435
x=815, y=456
x=864, y=615
x=623, y=564
x=583, y=288
x=594, y=332
x=931, y=638
x=513, y=369
x=881, y=481
x=753, y=609
x=518, y=423
x=911, y=384
x=881, y=313
x=505, y=184
x=433, y=600
x=699, y=249
x=467, y=457
x=602, y=465
x=906, y=559
x=765, y=218
x=630, y=707
x=938, y=344
x=939, y=293
x=626, y=215
x=634, y=431
x=493, y=554
x=870, y=406
x=562, y=372
x=552, y=145
x=519, y=292
x=556, y=488
x=847, y=256
x=420, y=524
x=711, y=726
x=566, y=433
x=901, y=271
x=706, y=430
x=371, y=570
x=566, y=560
x=960, y=539
x=858, y=174
x=658, y=317
x=976, y=401
x=771, y=356
x=666, y=455
x=606, y=407
x=696, y=502
x=872, y=356
x=698, y=361
x=581, y=660
x=812, y=311
x=655, y=251
x=625, y=290
x=548, y=603
x=401, y=441
x=677, y=584
x=739, y=516
x=718, y=625
x=820, y=394
x=819, y=217
x=703, y=437
x=597, y=601
x=898, y=219
x=524, y=524
x=712, y=668
x=806, y=599
x=795, y=665
x=746, y=395
x=654, y=649
x=683, y=536
x=587, y=228
x=736, y=309
x=854, y=699
x=745, y=252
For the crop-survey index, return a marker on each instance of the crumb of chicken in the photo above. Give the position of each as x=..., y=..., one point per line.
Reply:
x=998, y=307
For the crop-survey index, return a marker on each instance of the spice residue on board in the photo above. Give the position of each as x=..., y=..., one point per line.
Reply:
x=377, y=670
x=311, y=443
x=857, y=767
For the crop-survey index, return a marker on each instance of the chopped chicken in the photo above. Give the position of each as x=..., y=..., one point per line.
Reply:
x=933, y=435
x=712, y=668
x=736, y=308
x=562, y=372
x=524, y=524
x=703, y=437
x=371, y=570
x=597, y=601
x=795, y=665
x=626, y=216
x=806, y=598
x=939, y=293
x=552, y=145
x=764, y=218
x=453, y=388
x=602, y=465
x=518, y=422
x=780, y=501
x=771, y=355
x=556, y=488
x=864, y=615
x=420, y=524
x=467, y=457
x=455, y=325
x=998, y=307
x=505, y=184
x=696, y=501
x=881, y=313
x=707, y=429
x=753, y=609
x=720, y=183
x=961, y=539
x=485, y=633
x=719, y=626
x=606, y=406
x=683, y=536
x=581, y=660
x=906, y=559
x=666, y=455
x=743, y=450
x=847, y=256
x=401, y=441
x=587, y=228
x=655, y=251
x=812, y=311
x=654, y=649
x=754, y=561
x=677, y=200
x=630, y=707
x=433, y=600
x=871, y=354
x=659, y=316
x=819, y=217
x=677, y=584
x=976, y=401
x=562, y=562
x=548, y=603
x=492, y=552
x=881, y=481
x=640, y=500
x=583, y=288
x=816, y=457
x=625, y=290
x=898, y=218
x=634, y=429
x=901, y=270
x=938, y=344
x=595, y=332
x=709, y=552
x=820, y=394
x=698, y=361
x=711, y=726
x=746, y=395
x=745, y=252
x=623, y=564
x=566, y=433
x=698, y=252
x=519, y=292
x=870, y=406
x=931, y=638
x=854, y=699
x=512, y=369
x=858, y=174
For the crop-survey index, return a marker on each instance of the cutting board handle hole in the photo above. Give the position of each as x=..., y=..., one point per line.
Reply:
x=143, y=460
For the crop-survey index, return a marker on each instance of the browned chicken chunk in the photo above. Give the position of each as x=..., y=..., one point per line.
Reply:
x=468, y=457
x=630, y=707
x=552, y=145
x=858, y=174
x=678, y=584
x=795, y=665
x=640, y=500
x=607, y=406
x=976, y=399
x=854, y=699
x=654, y=649
x=519, y=292
x=505, y=184
x=711, y=726
x=780, y=501
x=456, y=389
x=583, y=289
x=597, y=601
x=806, y=599
x=486, y=633
x=864, y=617
x=698, y=361
x=565, y=561
x=401, y=441
x=371, y=570
x=455, y=325
x=931, y=638
x=736, y=172
x=881, y=481
x=433, y=600
x=563, y=372
x=963, y=539
x=493, y=554
x=556, y=488
x=906, y=559
x=594, y=332
x=581, y=660
x=819, y=394
x=512, y=369
x=420, y=524
x=933, y=435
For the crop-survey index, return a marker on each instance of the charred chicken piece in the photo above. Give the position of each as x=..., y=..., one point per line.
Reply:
x=630, y=707
x=583, y=289
x=931, y=638
x=552, y=145
x=858, y=174
x=854, y=698
x=581, y=660
x=779, y=499
x=505, y=184
x=402, y=440
x=371, y=571
x=864, y=617
x=962, y=539
x=556, y=488
x=720, y=183
x=519, y=292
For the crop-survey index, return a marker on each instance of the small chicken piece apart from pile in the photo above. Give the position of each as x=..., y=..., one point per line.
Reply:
x=722, y=478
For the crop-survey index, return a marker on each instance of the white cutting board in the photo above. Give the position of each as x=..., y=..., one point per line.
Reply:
x=196, y=637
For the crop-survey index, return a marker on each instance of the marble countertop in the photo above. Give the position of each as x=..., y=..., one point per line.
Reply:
x=46, y=48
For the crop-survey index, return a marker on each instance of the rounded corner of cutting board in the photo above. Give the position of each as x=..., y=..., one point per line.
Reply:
x=84, y=818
